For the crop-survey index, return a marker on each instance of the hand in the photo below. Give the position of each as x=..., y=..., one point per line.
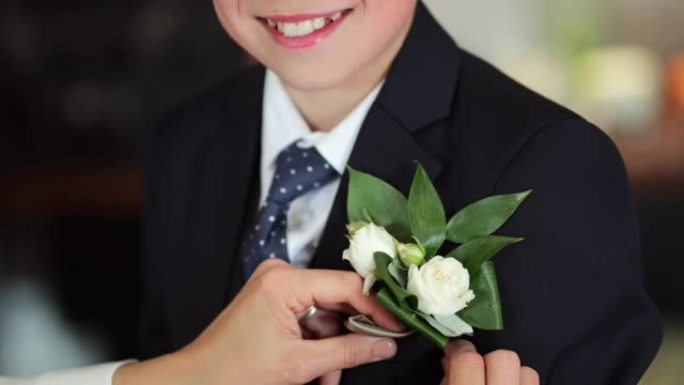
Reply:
x=464, y=366
x=257, y=339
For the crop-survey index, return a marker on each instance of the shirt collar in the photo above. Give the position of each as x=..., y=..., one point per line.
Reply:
x=284, y=124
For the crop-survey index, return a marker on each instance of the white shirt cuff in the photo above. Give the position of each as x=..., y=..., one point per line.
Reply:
x=89, y=375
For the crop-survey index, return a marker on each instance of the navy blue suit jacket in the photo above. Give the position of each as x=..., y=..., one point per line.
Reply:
x=574, y=305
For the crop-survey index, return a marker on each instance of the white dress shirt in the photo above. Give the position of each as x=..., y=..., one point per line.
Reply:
x=282, y=125
x=308, y=214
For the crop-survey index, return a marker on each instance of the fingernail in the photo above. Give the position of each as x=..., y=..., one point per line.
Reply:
x=384, y=349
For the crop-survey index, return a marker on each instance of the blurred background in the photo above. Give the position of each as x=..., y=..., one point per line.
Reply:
x=80, y=80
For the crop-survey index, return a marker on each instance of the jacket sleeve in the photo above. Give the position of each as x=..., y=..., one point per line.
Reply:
x=574, y=305
x=153, y=334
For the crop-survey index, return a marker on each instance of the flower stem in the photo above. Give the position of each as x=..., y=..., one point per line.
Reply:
x=385, y=299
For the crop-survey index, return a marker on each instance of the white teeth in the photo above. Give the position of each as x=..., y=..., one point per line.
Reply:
x=290, y=29
x=305, y=27
x=318, y=22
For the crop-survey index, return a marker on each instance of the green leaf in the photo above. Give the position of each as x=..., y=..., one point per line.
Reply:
x=400, y=275
x=396, y=262
x=483, y=217
x=484, y=312
x=410, y=318
x=478, y=251
x=426, y=213
x=405, y=299
x=371, y=196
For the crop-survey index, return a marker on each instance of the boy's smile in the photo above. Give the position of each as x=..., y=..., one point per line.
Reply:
x=320, y=45
x=303, y=30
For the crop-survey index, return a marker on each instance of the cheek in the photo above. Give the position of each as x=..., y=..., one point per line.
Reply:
x=225, y=11
x=383, y=23
x=236, y=20
x=387, y=18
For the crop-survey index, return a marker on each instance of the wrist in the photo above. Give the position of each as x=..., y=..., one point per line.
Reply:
x=165, y=370
x=204, y=364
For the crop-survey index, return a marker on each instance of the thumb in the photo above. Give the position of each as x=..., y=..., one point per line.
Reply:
x=347, y=351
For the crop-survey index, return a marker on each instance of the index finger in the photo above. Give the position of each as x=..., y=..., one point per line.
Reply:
x=313, y=286
x=466, y=366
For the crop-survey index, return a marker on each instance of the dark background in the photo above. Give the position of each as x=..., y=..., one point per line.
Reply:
x=80, y=81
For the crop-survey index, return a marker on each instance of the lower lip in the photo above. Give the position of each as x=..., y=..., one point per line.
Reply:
x=300, y=42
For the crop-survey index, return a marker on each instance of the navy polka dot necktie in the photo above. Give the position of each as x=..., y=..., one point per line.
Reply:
x=299, y=170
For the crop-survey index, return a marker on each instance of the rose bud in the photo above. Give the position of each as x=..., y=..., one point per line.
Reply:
x=411, y=254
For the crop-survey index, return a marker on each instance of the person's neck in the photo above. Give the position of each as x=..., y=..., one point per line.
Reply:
x=324, y=109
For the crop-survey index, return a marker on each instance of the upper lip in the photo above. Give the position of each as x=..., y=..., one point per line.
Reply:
x=293, y=18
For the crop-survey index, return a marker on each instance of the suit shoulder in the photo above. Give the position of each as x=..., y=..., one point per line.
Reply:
x=570, y=144
x=198, y=115
x=481, y=84
x=496, y=120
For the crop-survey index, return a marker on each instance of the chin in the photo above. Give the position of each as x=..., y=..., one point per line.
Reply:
x=312, y=79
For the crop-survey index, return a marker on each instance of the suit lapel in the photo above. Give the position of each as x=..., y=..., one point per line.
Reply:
x=245, y=189
x=418, y=91
x=223, y=199
x=385, y=150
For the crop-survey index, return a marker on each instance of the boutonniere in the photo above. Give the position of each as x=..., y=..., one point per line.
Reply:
x=394, y=243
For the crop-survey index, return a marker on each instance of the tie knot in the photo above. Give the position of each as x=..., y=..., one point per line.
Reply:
x=299, y=170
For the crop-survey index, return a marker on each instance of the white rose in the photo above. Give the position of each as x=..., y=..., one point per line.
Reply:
x=363, y=243
x=441, y=285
